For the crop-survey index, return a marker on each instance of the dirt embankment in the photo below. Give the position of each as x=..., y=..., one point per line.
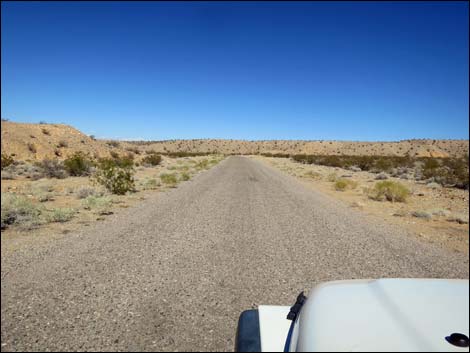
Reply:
x=39, y=141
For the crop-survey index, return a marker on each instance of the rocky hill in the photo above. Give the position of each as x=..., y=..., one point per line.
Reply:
x=39, y=141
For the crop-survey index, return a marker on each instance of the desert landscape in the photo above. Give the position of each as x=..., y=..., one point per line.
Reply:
x=433, y=211
x=150, y=224
x=279, y=176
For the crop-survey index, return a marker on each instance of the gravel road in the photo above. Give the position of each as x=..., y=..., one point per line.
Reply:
x=174, y=272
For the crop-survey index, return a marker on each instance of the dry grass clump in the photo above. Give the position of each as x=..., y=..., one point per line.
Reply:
x=312, y=174
x=20, y=211
x=61, y=215
x=169, y=179
x=98, y=204
x=85, y=191
x=389, y=190
x=185, y=176
x=52, y=168
x=343, y=184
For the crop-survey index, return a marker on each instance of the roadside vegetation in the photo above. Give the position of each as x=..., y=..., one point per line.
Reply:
x=80, y=186
x=448, y=172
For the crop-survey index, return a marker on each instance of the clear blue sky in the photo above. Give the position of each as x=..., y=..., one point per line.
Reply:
x=281, y=70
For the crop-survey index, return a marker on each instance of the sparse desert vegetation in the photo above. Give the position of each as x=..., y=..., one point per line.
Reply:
x=52, y=192
x=410, y=192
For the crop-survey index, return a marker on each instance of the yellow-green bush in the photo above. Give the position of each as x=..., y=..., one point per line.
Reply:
x=343, y=184
x=390, y=191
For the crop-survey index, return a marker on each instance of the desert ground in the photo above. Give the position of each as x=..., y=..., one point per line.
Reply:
x=203, y=230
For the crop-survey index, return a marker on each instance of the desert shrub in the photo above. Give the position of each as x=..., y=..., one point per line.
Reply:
x=7, y=175
x=116, y=175
x=19, y=210
x=62, y=143
x=390, y=191
x=152, y=159
x=93, y=137
x=133, y=150
x=84, y=192
x=44, y=197
x=61, y=215
x=114, y=154
x=343, y=184
x=113, y=143
x=78, y=164
x=383, y=164
x=149, y=184
x=185, y=176
x=421, y=214
x=187, y=154
x=7, y=160
x=169, y=179
x=447, y=171
x=45, y=131
x=203, y=164
x=312, y=174
x=100, y=204
x=31, y=147
x=332, y=177
x=52, y=168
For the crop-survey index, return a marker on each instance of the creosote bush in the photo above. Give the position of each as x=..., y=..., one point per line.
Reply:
x=152, y=159
x=78, y=164
x=116, y=175
x=390, y=191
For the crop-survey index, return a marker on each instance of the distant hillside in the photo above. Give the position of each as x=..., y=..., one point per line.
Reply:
x=39, y=141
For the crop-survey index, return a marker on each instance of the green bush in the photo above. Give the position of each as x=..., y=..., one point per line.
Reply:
x=390, y=191
x=61, y=215
x=6, y=160
x=185, y=176
x=78, y=164
x=343, y=184
x=19, y=210
x=152, y=159
x=203, y=164
x=116, y=175
x=149, y=184
x=169, y=179
x=98, y=203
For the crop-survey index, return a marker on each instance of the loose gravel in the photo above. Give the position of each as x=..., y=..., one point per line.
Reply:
x=174, y=272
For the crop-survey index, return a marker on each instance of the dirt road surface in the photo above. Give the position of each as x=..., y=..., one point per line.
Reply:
x=174, y=272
